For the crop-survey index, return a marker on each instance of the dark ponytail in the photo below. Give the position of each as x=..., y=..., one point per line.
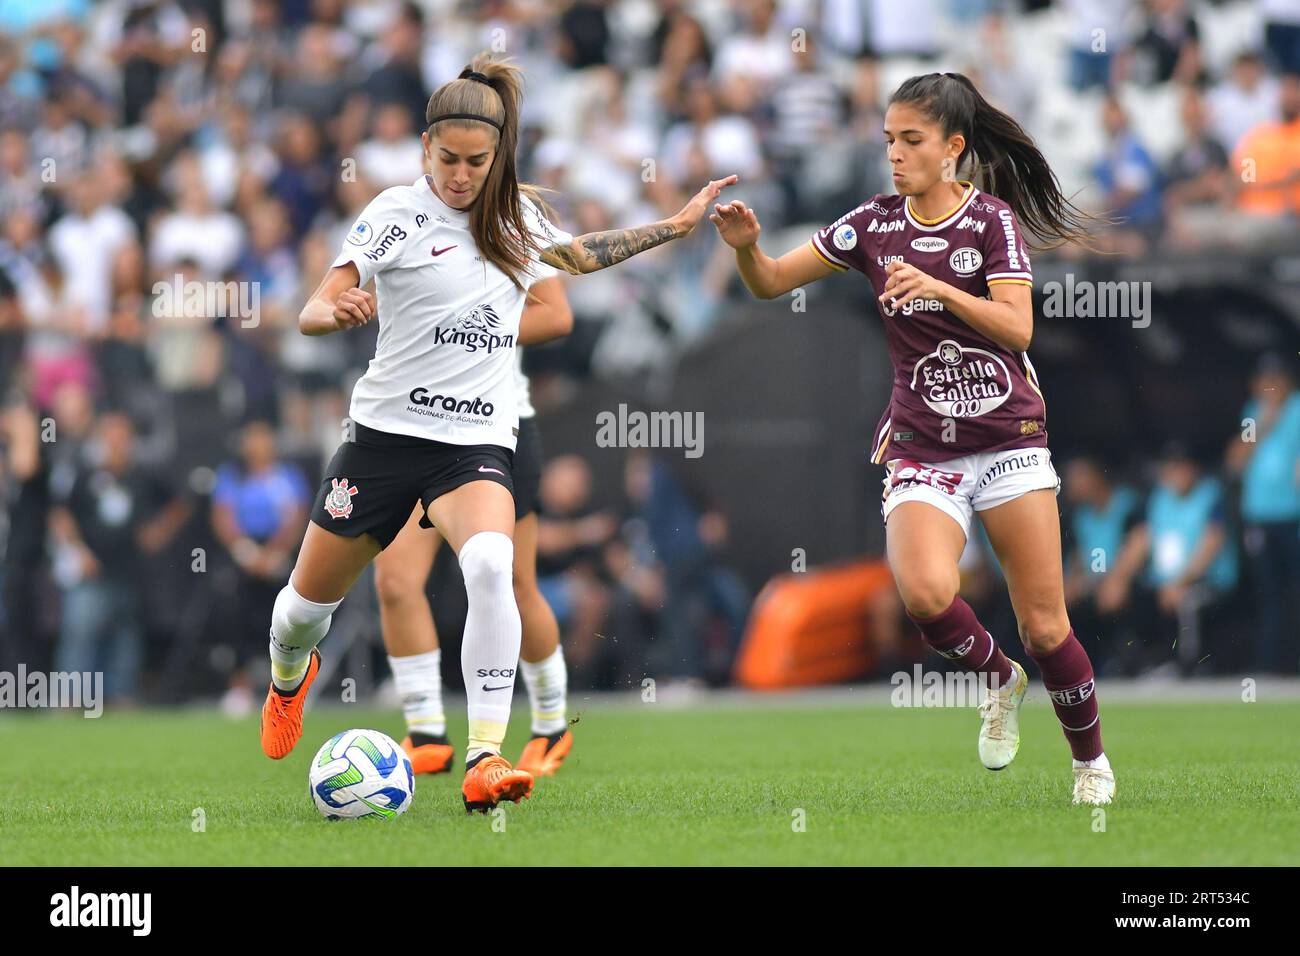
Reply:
x=1003, y=156
x=492, y=89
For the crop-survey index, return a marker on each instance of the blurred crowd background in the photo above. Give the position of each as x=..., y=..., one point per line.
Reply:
x=146, y=144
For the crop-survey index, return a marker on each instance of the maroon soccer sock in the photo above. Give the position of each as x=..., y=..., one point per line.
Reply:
x=958, y=635
x=1067, y=675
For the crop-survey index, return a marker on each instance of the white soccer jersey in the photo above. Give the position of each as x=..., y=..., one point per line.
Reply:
x=444, y=365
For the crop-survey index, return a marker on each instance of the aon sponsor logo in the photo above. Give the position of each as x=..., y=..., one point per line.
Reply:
x=876, y=225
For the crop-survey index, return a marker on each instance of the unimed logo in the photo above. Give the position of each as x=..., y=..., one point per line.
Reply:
x=75, y=908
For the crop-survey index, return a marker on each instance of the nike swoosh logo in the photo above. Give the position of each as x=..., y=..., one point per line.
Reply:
x=495, y=471
x=502, y=687
x=438, y=252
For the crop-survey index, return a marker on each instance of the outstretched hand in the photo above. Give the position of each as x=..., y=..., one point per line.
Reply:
x=694, y=210
x=737, y=224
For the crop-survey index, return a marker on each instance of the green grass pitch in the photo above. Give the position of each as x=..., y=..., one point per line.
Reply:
x=1199, y=784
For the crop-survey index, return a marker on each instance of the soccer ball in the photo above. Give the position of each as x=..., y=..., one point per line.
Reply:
x=360, y=774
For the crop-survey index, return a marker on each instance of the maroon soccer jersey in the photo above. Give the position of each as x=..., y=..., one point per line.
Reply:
x=956, y=392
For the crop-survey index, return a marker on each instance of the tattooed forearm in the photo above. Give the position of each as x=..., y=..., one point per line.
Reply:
x=603, y=249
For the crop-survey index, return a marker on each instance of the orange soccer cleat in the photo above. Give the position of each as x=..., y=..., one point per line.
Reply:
x=432, y=757
x=282, y=713
x=543, y=755
x=492, y=780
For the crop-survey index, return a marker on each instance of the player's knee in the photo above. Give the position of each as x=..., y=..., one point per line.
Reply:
x=524, y=578
x=396, y=586
x=927, y=594
x=294, y=617
x=1043, y=629
x=487, y=561
x=525, y=586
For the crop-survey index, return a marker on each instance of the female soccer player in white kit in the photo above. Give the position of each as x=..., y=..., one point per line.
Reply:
x=965, y=430
x=402, y=573
x=434, y=415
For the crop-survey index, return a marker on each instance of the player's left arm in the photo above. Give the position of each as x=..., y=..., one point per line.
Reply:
x=1006, y=317
x=547, y=315
x=600, y=250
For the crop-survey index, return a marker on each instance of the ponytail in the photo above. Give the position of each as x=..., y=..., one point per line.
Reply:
x=1003, y=156
x=488, y=93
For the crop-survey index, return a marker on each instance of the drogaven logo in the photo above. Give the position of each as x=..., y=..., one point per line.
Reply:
x=961, y=382
x=929, y=244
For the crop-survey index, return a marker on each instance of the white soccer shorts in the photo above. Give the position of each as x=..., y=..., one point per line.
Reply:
x=961, y=486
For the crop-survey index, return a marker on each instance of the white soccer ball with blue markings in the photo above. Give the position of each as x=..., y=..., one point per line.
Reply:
x=361, y=774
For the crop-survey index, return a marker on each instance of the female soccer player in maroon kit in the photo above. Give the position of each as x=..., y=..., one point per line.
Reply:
x=965, y=429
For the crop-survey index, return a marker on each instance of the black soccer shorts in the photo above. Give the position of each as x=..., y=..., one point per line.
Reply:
x=372, y=483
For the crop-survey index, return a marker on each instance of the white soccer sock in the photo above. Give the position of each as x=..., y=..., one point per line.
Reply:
x=419, y=685
x=489, y=651
x=1098, y=762
x=548, y=685
x=297, y=626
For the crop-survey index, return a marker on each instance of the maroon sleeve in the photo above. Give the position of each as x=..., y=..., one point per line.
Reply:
x=841, y=245
x=1005, y=257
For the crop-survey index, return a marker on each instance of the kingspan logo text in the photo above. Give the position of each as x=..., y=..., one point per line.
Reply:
x=473, y=341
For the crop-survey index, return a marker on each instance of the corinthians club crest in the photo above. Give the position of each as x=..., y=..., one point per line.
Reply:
x=339, y=501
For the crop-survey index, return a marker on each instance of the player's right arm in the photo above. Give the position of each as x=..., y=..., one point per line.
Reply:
x=337, y=303
x=765, y=277
x=377, y=241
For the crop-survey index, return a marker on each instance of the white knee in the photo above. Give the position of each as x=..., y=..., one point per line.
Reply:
x=487, y=562
x=296, y=622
